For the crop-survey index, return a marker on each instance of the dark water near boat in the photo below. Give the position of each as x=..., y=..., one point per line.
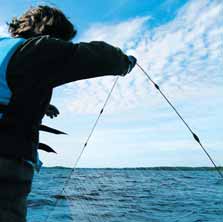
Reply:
x=127, y=195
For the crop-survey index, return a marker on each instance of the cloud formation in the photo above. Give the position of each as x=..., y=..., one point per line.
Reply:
x=182, y=56
x=4, y=30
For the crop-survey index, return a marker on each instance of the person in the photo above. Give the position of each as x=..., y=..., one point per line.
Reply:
x=38, y=57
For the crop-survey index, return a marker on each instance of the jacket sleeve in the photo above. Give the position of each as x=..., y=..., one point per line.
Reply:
x=54, y=62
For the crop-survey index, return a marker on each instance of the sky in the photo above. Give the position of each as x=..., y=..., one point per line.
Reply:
x=180, y=44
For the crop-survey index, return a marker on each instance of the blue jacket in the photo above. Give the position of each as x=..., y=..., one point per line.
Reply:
x=8, y=46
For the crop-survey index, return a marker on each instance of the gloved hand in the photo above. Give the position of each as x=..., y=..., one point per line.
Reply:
x=132, y=63
x=52, y=111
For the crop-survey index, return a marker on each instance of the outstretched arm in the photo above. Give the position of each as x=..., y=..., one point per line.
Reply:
x=52, y=62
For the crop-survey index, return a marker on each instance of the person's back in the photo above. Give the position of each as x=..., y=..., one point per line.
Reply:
x=39, y=57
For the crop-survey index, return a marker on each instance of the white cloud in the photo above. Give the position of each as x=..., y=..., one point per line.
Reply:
x=4, y=30
x=182, y=55
x=122, y=35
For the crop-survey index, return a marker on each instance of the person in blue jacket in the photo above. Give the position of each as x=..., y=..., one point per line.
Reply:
x=38, y=57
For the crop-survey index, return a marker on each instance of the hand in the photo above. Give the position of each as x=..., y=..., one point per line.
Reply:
x=52, y=111
x=132, y=63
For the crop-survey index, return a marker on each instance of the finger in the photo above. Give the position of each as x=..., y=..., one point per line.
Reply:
x=57, y=111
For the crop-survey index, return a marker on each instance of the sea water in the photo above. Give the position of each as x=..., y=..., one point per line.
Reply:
x=127, y=195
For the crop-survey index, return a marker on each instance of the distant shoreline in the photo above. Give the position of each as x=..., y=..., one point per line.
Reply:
x=182, y=168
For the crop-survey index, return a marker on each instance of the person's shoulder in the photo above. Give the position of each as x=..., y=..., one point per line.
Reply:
x=52, y=42
x=43, y=40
